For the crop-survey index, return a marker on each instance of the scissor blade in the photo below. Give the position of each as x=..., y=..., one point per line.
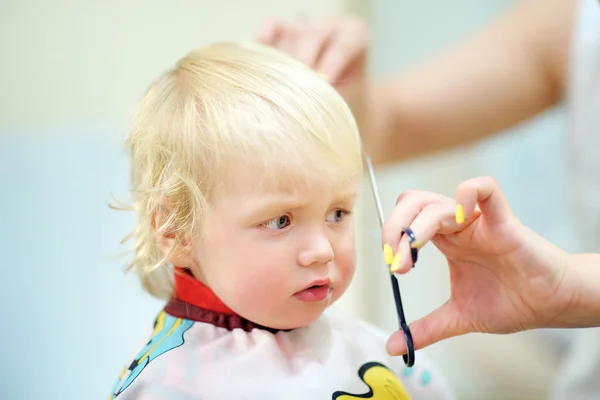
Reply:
x=375, y=190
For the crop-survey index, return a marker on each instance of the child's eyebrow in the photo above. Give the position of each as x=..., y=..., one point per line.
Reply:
x=346, y=196
x=270, y=204
x=274, y=202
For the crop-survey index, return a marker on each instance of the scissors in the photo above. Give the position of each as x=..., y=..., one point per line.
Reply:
x=409, y=357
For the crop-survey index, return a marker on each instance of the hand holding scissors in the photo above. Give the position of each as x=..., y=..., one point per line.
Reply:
x=503, y=277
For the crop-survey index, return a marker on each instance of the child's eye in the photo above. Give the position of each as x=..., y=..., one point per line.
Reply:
x=336, y=215
x=277, y=223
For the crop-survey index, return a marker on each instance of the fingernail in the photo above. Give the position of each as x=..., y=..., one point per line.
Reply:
x=460, y=214
x=388, y=254
x=322, y=75
x=416, y=244
x=395, y=263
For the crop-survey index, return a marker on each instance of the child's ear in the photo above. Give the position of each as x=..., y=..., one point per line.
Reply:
x=179, y=252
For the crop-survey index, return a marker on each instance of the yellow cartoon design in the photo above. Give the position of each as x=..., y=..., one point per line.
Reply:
x=167, y=335
x=383, y=385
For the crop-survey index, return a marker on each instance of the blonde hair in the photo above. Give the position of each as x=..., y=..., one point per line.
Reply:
x=229, y=101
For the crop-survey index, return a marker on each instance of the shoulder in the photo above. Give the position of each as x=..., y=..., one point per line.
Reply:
x=167, y=335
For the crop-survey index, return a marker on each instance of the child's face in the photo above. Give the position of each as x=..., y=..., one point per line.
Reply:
x=262, y=249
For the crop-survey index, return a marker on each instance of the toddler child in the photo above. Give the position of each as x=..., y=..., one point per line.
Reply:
x=246, y=166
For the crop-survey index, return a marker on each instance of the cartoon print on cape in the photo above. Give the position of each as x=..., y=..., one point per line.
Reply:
x=383, y=385
x=167, y=335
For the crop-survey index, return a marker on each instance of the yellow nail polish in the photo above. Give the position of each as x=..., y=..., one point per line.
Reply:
x=416, y=244
x=388, y=254
x=395, y=263
x=460, y=214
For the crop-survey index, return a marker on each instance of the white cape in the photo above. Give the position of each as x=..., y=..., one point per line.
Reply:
x=338, y=357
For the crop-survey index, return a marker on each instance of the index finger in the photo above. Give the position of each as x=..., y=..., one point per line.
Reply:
x=482, y=192
x=347, y=44
x=408, y=206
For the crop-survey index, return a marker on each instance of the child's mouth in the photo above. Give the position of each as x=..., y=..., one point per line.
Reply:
x=315, y=293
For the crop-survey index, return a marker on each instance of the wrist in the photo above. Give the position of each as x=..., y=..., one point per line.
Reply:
x=578, y=295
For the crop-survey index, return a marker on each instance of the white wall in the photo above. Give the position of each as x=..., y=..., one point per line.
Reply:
x=478, y=366
x=76, y=61
x=70, y=72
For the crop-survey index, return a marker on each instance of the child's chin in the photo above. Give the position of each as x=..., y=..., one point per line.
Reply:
x=301, y=321
x=294, y=317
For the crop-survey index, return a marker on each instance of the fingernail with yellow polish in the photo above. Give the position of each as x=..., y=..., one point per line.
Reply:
x=416, y=244
x=395, y=263
x=388, y=254
x=460, y=214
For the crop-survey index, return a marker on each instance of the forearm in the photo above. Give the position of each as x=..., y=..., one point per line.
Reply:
x=512, y=70
x=580, y=293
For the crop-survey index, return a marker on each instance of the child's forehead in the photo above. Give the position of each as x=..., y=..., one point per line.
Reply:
x=275, y=182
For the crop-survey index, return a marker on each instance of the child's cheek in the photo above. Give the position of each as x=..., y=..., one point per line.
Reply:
x=345, y=262
x=259, y=289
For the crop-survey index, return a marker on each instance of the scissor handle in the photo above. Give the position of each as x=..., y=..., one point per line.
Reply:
x=414, y=252
x=409, y=357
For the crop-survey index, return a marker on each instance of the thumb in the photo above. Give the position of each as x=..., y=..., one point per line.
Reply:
x=440, y=324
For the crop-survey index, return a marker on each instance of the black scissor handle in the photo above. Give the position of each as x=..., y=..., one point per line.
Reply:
x=409, y=357
x=414, y=252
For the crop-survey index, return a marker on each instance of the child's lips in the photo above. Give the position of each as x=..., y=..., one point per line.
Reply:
x=318, y=282
x=317, y=290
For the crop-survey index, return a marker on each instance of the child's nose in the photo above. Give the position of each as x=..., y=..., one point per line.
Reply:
x=317, y=251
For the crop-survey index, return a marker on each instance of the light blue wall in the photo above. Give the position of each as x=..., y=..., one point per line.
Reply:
x=531, y=164
x=70, y=317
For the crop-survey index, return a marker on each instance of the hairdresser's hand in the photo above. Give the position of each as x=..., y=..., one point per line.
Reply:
x=335, y=47
x=504, y=278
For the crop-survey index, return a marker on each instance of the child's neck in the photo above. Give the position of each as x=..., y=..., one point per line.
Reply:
x=195, y=301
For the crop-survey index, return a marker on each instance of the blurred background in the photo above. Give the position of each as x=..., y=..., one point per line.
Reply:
x=72, y=71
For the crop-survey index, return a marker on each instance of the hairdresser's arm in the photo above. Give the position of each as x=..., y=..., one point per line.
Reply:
x=580, y=290
x=510, y=71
